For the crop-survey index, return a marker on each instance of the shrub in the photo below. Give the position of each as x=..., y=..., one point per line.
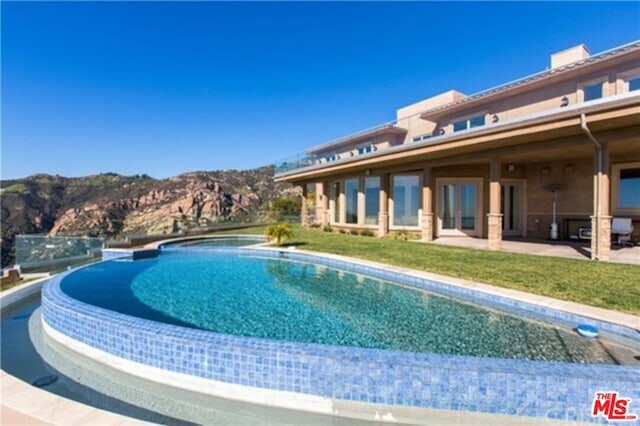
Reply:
x=281, y=207
x=367, y=233
x=327, y=228
x=354, y=232
x=279, y=233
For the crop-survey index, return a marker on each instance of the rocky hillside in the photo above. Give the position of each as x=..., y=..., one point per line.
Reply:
x=111, y=205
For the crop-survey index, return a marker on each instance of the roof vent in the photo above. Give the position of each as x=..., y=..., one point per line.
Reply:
x=570, y=55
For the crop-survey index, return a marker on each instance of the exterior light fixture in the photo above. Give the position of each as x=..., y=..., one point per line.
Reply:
x=495, y=118
x=564, y=101
x=568, y=169
x=511, y=167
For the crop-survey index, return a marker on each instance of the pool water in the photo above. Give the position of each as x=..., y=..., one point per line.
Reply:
x=287, y=300
x=232, y=241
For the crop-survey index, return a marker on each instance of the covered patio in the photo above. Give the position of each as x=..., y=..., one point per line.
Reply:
x=567, y=249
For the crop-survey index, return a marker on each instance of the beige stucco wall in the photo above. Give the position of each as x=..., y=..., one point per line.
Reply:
x=409, y=116
x=511, y=106
x=574, y=201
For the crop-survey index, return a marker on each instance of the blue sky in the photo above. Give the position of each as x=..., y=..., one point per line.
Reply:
x=166, y=88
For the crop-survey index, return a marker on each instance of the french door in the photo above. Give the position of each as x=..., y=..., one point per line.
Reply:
x=511, y=195
x=460, y=207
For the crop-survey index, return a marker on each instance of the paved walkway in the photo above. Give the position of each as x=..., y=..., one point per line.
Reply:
x=568, y=249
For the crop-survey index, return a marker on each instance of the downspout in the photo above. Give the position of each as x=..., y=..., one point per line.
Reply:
x=599, y=161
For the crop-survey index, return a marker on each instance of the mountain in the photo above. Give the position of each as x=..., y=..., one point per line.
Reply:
x=111, y=205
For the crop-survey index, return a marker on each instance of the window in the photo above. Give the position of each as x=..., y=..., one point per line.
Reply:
x=335, y=202
x=332, y=157
x=371, y=200
x=629, y=81
x=468, y=123
x=351, y=200
x=626, y=187
x=406, y=200
x=365, y=149
x=421, y=137
x=593, y=91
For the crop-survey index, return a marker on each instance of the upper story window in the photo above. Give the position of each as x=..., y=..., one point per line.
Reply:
x=366, y=149
x=421, y=137
x=332, y=157
x=593, y=89
x=468, y=123
x=629, y=81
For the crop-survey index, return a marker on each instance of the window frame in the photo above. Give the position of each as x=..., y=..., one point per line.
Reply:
x=366, y=148
x=358, y=182
x=615, y=189
x=623, y=78
x=392, y=201
x=364, y=201
x=605, y=87
x=339, y=201
x=467, y=118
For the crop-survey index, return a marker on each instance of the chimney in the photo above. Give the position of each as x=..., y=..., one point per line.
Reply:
x=570, y=55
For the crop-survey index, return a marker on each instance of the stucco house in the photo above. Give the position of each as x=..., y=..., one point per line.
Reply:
x=490, y=165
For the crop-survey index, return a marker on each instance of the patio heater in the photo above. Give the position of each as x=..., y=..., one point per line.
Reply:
x=553, y=228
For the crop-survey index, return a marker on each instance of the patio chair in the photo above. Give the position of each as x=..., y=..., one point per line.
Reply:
x=622, y=227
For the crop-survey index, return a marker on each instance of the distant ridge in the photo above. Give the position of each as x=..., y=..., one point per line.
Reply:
x=110, y=205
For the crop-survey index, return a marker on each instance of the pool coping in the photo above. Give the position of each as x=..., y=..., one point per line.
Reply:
x=359, y=361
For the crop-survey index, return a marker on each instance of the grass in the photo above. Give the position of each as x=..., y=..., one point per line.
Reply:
x=15, y=284
x=16, y=188
x=605, y=285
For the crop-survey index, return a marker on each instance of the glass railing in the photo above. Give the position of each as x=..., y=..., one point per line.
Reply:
x=39, y=253
x=322, y=154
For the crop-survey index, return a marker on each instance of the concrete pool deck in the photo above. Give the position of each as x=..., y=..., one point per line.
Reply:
x=565, y=249
x=24, y=404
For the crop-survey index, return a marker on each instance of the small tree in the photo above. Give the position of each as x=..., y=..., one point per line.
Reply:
x=283, y=207
x=279, y=233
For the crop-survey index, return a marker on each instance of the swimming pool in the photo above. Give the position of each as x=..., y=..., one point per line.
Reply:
x=287, y=300
x=314, y=374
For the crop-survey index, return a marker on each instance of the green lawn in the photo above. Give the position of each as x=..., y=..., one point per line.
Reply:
x=605, y=285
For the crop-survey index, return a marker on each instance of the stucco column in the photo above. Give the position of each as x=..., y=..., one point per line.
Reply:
x=383, y=211
x=318, y=204
x=427, y=205
x=601, y=219
x=325, y=205
x=304, y=214
x=494, y=218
